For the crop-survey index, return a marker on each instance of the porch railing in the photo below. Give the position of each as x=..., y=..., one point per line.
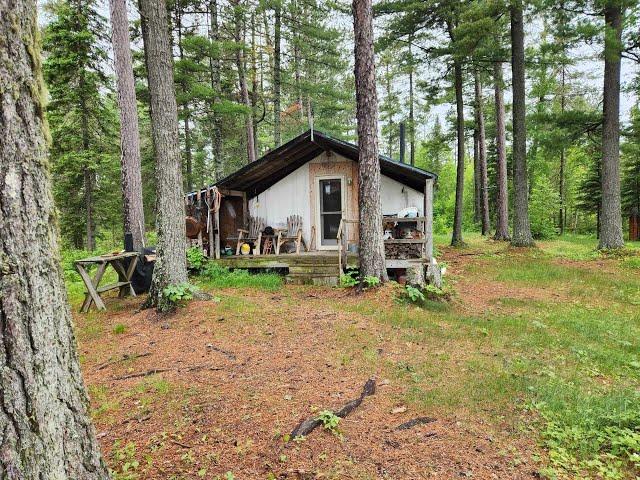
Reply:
x=343, y=242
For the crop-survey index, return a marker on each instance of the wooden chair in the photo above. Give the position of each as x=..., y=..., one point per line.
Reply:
x=252, y=234
x=292, y=234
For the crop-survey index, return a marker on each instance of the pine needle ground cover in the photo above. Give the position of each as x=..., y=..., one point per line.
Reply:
x=532, y=369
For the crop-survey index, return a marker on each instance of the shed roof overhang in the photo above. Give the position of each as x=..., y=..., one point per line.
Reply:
x=258, y=176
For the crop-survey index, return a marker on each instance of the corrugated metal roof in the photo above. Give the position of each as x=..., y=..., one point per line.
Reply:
x=256, y=177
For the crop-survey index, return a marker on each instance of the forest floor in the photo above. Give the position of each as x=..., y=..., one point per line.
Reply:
x=530, y=370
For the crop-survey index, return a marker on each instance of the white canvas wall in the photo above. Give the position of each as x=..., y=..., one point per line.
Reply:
x=395, y=196
x=289, y=196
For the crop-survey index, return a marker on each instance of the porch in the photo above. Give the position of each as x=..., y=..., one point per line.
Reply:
x=315, y=268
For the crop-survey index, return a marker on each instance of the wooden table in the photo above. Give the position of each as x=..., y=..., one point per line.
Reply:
x=93, y=284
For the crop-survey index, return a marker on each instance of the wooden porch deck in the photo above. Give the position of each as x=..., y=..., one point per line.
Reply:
x=315, y=268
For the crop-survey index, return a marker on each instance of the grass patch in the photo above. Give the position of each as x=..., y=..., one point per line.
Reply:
x=119, y=329
x=215, y=276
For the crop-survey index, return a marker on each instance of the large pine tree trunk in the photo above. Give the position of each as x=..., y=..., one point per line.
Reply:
x=456, y=239
x=611, y=214
x=186, y=114
x=46, y=430
x=482, y=158
x=276, y=73
x=214, y=67
x=171, y=264
x=412, y=127
x=521, y=228
x=242, y=79
x=133, y=211
x=371, y=250
x=502, y=194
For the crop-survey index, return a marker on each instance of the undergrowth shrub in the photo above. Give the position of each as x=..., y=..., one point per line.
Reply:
x=595, y=438
x=178, y=295
x=196, y=259
x=221, y=277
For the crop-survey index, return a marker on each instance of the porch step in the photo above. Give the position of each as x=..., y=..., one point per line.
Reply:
x=312, y=279
x=314, y=269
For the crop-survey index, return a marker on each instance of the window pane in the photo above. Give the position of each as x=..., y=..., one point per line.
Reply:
x=331, y=195
x=330, y=225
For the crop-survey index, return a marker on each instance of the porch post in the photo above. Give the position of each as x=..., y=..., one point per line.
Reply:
x=428, y=215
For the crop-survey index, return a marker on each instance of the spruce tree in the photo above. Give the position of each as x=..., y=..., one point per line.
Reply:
x=81, y=117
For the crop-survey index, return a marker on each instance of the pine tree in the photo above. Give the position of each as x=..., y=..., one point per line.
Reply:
x=170, y=266
x=611, y=214
x=130, y=163
x=371, y=253
x=82, y=120
x=44, y=418
x=521, y=228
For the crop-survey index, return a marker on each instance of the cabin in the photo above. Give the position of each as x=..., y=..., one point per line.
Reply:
x=296, y=209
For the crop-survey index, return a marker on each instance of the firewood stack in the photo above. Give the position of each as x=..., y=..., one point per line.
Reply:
x=403, y=251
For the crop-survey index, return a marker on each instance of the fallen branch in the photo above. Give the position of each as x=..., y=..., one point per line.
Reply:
x=307, y=426
x=414, y=422
x=183, y=445
x=153, y=371
x=124, y=358
x=227, y=354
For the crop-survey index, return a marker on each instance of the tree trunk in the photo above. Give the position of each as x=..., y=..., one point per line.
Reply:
x=412, y=128
x=214, y=67
x=372, y=262
x=502, y=195
x=254, y=83
x=89, y=182
x=188, y=156
x=611, y=213
x=456, y=239
x=171, y=265
x=46, y=430
x=276, y=73
x=561, y=188
x=88, y=173
x=521, y=228
x=476, y=174
x=242, y=79
x=482, y=158
x=133, y=211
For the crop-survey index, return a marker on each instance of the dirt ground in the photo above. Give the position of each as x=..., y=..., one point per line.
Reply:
x=217, y=387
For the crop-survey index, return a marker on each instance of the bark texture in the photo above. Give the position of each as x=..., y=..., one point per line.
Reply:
x=502, y=194
x=171, y=264
x=214, y=67
x=276, y=73
x=242, y=80
x=372, y=261
x=482, y=158
x=456, y=239
x=131, y=177
x=521, y=228
x=611, y=213
x=45, y=430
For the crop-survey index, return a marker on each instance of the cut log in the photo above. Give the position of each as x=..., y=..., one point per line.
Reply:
x=307, y=426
